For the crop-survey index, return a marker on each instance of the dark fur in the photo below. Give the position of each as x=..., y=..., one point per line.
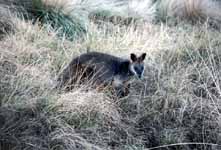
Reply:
x=98, y=67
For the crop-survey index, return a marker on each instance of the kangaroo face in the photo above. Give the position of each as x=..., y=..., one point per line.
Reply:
x=137, y=65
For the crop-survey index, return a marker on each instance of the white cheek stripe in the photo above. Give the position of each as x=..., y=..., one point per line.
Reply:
x=132, y=69
x=143, y=71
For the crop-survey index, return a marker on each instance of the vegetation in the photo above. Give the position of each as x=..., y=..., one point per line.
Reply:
x=176, y=105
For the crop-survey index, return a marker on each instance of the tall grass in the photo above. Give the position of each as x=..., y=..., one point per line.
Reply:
x=193, y=10
x=6, y=21
x=71, y=18
x=177, y=105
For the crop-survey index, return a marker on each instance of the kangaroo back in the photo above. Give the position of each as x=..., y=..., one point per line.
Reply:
x=102, y=70
x=99, y=66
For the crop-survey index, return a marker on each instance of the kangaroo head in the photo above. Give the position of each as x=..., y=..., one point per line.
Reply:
x=137, y=64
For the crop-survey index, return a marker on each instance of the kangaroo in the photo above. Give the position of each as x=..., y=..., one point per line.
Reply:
x=102, y=69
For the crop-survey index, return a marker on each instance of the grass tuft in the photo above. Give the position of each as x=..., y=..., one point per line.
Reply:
x=7, y=25
x=194, y=11
x=67, y=25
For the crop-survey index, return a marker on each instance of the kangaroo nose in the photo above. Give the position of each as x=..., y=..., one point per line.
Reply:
x=139, y=76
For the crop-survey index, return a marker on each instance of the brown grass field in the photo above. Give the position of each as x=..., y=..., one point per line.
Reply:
x=177, y=106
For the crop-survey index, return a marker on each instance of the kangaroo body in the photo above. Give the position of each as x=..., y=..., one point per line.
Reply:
x=98, y=69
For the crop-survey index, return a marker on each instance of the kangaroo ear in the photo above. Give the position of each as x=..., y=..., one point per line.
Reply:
x=142, y=57
x=133, y=57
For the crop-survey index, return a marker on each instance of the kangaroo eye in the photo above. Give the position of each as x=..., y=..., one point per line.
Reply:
x=136, y=69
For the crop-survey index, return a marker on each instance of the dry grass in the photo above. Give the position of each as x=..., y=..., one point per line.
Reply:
x=177, y=102
x=71, y=18
x=194, y=10
x=90, y=104
x=7, y=23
